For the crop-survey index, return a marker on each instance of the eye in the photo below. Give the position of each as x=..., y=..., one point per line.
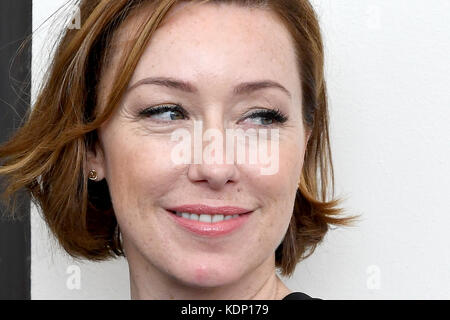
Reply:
x=268, y=117
x=164, y=112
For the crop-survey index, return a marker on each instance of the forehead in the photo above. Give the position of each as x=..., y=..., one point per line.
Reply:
x=215, y=42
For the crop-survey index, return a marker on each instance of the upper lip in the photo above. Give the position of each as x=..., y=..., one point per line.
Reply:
x=205, y=209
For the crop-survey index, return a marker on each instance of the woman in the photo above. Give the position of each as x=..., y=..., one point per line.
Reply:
x=98, y=153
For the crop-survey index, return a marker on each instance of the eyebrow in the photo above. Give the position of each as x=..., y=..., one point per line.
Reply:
x=240, y=89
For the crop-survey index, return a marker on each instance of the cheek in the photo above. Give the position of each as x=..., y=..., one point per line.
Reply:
x=277, y=192
x=282, y=184
x=139, y=172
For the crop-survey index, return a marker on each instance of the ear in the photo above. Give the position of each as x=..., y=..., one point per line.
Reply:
x=95, y=160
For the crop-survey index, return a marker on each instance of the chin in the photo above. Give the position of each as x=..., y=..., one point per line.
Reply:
x=206, y=275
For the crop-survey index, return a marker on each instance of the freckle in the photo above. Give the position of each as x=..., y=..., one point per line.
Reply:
x=238, y=190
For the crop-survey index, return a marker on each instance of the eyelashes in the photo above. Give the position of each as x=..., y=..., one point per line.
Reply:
x=273, y=115
x=158, y=110
x=177, y=112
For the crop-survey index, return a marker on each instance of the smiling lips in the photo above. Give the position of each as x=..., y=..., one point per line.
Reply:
x=209, y=221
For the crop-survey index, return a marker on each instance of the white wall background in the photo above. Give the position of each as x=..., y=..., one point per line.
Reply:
x=388, y=72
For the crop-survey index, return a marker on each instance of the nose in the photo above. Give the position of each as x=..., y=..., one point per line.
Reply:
x=215, y=174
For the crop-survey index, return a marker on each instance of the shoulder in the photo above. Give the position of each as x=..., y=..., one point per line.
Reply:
x=299, y=296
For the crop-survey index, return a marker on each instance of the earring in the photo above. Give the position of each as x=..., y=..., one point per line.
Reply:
x=93, y=175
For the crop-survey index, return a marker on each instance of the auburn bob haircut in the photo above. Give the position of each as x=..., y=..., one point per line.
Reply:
x=47, y=156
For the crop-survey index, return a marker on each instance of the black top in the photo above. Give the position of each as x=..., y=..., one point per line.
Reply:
x=299, y=296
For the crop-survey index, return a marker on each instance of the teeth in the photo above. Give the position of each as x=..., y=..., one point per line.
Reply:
x=217, y=218
x=206, y=217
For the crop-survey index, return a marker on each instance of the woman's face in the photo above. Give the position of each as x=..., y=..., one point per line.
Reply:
x=214, y=48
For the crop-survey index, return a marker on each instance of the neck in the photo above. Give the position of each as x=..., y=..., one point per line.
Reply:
x=149, y=283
